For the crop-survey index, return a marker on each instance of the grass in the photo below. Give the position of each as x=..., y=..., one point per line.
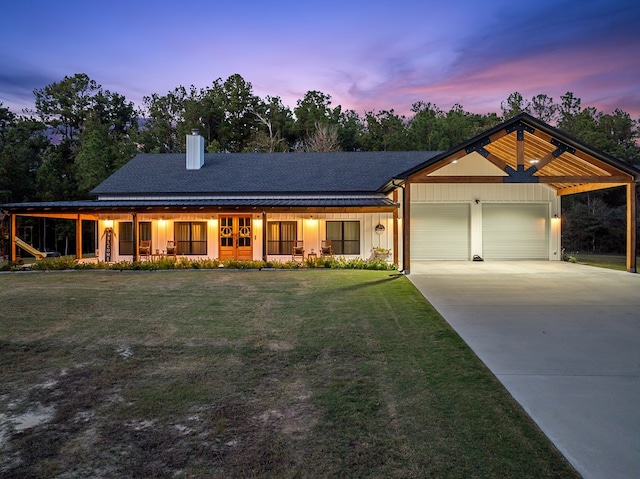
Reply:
x=287, y=374
x=609, y=261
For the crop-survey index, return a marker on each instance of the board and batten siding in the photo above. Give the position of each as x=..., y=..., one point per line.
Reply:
x=312, y=229
x=475, y=195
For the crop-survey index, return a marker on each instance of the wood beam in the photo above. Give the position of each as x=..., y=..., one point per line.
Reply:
x=13, y=232
x=406, y=230
x=395, y=228
x=497, y=135
x=571, y=190
x=544, y=161
x=264, y=235
x=136, y=247
x=631, y=228
x=59, y=216
x=520, y=148
x=600, y=164
x=583, y=179
x=461, y=179
x=496, y=161
x=542, y=135
x=78, y=237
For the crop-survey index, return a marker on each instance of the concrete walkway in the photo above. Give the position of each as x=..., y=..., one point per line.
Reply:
x=564, y=339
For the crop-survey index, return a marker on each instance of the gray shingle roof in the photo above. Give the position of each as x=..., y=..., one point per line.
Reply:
x=260, y=173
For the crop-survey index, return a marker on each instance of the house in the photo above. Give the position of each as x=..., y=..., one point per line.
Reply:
x=496, y=196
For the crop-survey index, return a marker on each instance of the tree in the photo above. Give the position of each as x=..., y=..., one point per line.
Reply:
x=543, y=108
x=63, y=105
x=324, y=138
x=315, y=108
x=163, y=114
x=425, y=128
x=240, y=122
x=386, y=131
x=101, y=152
x=351, y=131
x=514, y=105
x=78, y=109
x=22, y=143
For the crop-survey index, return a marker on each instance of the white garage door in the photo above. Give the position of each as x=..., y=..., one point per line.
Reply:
x=440, y=231
x=515, y=231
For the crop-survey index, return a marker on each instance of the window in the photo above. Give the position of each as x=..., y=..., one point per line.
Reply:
x=191, y=237
x=281, y=236
x=125, y=235
x=344, y=236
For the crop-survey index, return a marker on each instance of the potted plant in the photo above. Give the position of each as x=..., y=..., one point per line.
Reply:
x=379, y=253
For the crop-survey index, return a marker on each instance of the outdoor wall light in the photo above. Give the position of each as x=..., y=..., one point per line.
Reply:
x=108, y=223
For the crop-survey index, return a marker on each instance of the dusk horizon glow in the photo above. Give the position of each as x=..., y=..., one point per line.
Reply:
x=368, y=56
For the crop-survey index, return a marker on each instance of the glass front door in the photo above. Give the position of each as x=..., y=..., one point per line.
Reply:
x=236, y=238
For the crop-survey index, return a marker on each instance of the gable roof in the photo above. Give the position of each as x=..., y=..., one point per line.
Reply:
x=260, y=173
x=528, y=150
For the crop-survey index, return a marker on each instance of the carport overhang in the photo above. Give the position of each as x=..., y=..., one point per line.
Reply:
x=526, y=150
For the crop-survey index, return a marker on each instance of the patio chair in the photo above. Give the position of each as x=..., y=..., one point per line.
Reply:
x=145, y=249
x=325, y=248
x=298, y=250
x=172, y=250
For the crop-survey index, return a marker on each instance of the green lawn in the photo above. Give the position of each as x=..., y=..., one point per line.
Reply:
x=284, y=374
x=618, y=262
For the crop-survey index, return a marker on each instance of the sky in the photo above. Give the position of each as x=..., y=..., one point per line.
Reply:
x=367, y=55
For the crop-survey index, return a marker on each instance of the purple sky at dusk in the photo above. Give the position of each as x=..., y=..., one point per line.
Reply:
x=368, y=55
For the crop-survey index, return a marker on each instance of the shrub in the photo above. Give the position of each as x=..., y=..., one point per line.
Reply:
x=68, y=262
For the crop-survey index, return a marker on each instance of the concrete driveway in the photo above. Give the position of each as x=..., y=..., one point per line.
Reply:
x=564, y=339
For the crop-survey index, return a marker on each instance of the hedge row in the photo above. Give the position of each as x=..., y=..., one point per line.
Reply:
x=68, y=262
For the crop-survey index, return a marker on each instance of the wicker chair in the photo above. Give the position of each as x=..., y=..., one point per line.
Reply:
x=325, y=248
x=297, y=251
x=172, y=250
x=145, y=249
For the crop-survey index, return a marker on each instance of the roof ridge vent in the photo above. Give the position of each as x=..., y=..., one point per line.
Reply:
x=195, y=151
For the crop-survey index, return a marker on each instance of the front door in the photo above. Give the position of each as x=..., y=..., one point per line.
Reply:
x=235, y=238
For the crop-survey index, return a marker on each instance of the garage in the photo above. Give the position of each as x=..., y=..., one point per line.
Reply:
x=515, y=231
x=440, y=231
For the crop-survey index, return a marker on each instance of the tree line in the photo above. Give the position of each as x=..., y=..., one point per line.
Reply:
x=78, y=134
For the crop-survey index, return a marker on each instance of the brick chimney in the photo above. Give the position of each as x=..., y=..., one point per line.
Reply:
x=195, y=151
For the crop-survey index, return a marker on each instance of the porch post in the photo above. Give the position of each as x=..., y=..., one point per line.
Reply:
x=136, y=250
x=264, y=235
x=12, y=238
x=406, y=231
x=631, y=227
x=395, y=228
x=79, y=237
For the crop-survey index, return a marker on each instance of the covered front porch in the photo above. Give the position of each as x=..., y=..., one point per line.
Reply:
x=147, y=232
